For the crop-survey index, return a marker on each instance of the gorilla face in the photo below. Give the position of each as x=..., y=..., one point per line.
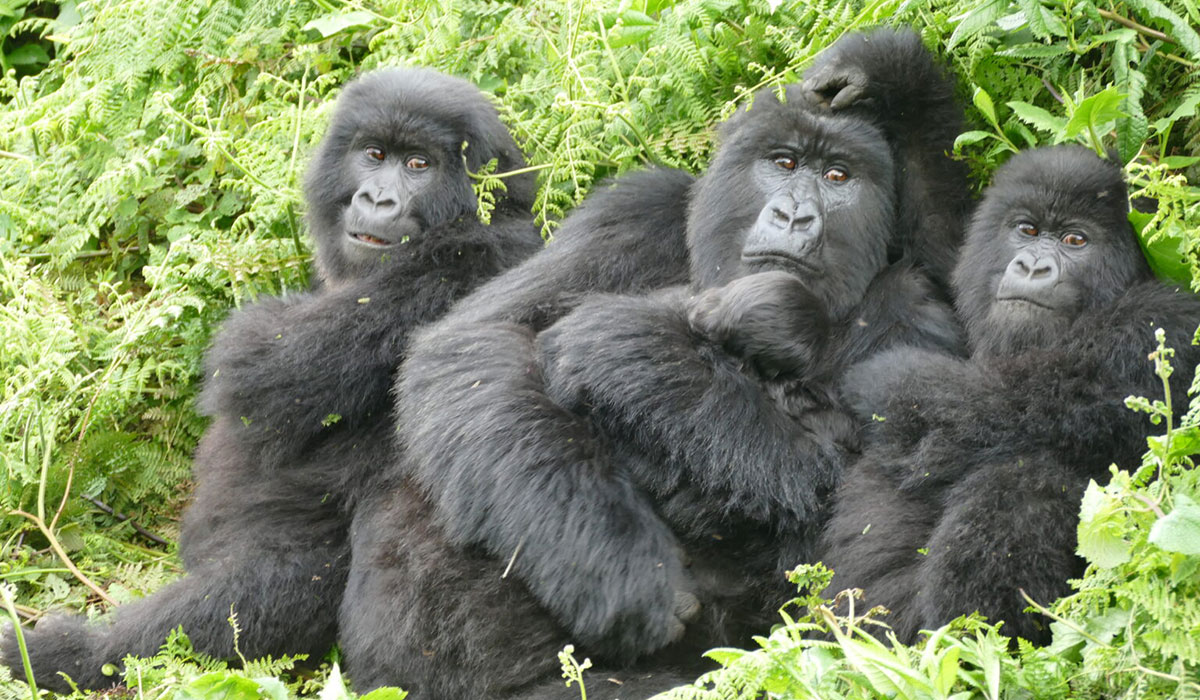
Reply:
x=799, y=191
x=391, y=167
x=404, y=187
x=1050, y=240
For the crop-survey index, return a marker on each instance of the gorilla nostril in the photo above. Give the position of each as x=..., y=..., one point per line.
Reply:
x=803, y=221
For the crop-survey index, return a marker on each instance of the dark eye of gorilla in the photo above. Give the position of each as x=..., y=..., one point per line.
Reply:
x=375, y=153
x=1076, y=240
x=836, y=174
x=417, y=163
x=785, y=162
x=1027, y=228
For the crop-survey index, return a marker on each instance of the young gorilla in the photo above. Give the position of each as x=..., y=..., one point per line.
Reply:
x=597, y=456
x=298, y=387
x=983, y=461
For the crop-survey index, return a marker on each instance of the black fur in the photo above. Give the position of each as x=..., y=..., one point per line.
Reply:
x=635, y=477
x=982, y=462
x=298, y=386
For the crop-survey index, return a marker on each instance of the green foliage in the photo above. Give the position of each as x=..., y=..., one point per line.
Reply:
x=150, y=179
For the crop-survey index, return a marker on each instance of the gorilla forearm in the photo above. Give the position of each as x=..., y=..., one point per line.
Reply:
x=644, y=376
x=1067, y=397
x=894, y=81
x=303, y=364
x=627, y=237
x=510, y=469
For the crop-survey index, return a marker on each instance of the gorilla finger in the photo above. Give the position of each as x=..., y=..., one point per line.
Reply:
x=687, y=606
x=848, y=96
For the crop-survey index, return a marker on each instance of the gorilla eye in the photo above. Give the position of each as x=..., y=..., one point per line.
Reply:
x=375, y=153
x=1027, y=228
x=417, y=162
x=836, y=174
x=785, y=162
x=1075, y=239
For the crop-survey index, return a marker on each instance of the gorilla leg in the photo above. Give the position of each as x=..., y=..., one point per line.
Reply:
x=871, y=543
x=441, y=620
x=1008, y=528
x=201, y=603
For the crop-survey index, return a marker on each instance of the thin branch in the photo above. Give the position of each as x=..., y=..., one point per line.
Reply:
x=62, y=554
x=1139, y=28
x=126, y=518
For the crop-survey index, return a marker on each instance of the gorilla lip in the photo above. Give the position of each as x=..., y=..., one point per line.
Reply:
x=1025, y=300
x=370, y=239
x=776, y=259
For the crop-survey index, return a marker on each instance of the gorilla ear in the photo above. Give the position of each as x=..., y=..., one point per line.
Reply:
x=488, y=138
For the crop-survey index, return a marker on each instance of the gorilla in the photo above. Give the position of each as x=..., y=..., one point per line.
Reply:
x=298, y=387
x=969, y=490
x=633, y=472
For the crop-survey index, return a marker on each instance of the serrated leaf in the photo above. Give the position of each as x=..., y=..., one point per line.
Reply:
x=1033, y=51
x=1179, y=530
x=1181, y=29
x=976, y=20
x=1037, y=117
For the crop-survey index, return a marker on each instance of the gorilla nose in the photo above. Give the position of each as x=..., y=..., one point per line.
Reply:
x=794, y=217
x=1029, y=274
x=381, y=204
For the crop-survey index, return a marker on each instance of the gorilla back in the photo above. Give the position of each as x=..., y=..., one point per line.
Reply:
x=969, y=492
x=298, y=386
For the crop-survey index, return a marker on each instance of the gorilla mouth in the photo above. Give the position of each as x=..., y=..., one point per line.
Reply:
x=780, y=261
x=1026, y=301
x=370, y=239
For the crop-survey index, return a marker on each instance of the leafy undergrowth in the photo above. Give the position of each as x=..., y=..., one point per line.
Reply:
x=150, y=164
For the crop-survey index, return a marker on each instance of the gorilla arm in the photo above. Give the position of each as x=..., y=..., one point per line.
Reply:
x=640, y=368
x=507, y=468
x=1067, y=398
x=887, y=76
x=309, y=364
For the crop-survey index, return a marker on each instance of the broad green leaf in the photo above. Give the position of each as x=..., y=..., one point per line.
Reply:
x=983, y=102
x=968, y=137
x=28, y=55
x=1101, y=529
x=385, y=693
x=337, y=22
x=1177, y=162
x=1098, y=109
x=1179, y=530
x=1165, y=249
x=1185, y=110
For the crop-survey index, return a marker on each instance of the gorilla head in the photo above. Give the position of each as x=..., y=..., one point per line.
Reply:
x=391, y=167
x=795, y=189
x=1050, y=240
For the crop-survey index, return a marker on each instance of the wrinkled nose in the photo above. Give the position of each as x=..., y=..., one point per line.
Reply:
x=792, y=216
x=1029, y=273
x=378, y=203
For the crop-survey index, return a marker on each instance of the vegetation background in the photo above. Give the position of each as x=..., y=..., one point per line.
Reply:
x=151, y=154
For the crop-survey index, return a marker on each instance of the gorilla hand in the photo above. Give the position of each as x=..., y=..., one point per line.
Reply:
x=835, y=85
x=769, y=319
